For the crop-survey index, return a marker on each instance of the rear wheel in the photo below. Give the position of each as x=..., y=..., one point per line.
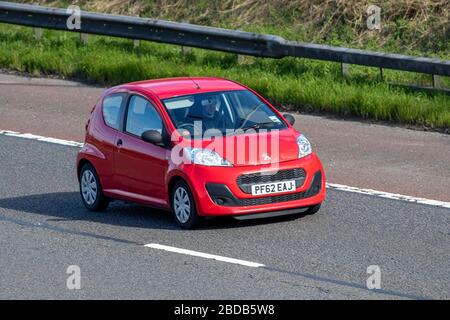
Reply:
x=91, y=190
x=313, y=209
x=183, y=206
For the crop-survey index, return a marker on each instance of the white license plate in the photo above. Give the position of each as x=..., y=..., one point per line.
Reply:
x=274, y=187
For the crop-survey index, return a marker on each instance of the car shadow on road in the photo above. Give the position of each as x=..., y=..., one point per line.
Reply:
x=67, y=206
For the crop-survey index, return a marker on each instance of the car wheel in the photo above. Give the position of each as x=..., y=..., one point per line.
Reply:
x=183, y=206
x=313, y=209
x=91, y=190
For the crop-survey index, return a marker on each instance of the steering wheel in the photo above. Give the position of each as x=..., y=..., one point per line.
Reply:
x=187, y=126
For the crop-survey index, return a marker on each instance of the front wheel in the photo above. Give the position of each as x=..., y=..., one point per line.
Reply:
x=183, y=206
x=91, y=189
x=313, y=209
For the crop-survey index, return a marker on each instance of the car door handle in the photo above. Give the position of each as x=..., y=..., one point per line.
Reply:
x=119, y=142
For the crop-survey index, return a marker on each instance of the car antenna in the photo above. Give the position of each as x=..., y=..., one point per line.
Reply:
x=196, y=84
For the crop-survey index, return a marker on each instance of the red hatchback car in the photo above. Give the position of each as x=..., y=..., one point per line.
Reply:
x=197, y=147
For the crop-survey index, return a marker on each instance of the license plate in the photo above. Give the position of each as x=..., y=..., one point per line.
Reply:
x=274, y=187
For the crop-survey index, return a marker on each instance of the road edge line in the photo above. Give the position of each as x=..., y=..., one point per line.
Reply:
x=41, y=138
x=388, y=195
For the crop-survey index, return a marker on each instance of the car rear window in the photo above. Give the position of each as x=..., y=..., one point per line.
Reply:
x=111, y=110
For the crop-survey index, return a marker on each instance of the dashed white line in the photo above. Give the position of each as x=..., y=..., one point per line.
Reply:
x=204, y=255
x=335, y=186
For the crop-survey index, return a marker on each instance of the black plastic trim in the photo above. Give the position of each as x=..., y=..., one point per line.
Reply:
x=246, y=181
x=222, y=195
x=270, y=214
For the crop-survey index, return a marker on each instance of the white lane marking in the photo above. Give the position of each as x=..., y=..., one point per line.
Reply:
x=204, y=255
x=41, y=138
x=335, y=186
x=394, y=196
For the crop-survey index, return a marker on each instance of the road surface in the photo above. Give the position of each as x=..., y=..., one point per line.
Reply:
x=44, y=227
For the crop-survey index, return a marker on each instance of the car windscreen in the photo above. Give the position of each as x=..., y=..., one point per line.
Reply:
x=224, y=112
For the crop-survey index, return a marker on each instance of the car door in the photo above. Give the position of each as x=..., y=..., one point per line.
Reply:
x=140, y=167
x=103, y=134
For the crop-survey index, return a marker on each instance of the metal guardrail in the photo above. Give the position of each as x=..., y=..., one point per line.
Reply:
x=239, y=42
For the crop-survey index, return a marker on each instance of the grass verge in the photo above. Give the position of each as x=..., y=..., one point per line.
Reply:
x=306, y=85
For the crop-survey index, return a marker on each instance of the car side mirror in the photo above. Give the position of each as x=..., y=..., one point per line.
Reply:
x=289, y=118
x=152, y=136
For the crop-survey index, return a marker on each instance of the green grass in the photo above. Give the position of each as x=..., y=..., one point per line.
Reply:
x=306, y=85
x=418, y=27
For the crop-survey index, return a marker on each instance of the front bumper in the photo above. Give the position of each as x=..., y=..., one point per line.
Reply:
x=217, y=192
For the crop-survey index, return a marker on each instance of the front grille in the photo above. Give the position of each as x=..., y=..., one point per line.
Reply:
x=272, y=199
x=246, y=181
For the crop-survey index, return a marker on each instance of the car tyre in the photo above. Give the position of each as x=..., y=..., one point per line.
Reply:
x=183, y=206
x=313, y=209
x=91, y=190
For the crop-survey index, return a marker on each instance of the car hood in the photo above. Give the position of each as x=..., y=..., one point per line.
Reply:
x=258, y=148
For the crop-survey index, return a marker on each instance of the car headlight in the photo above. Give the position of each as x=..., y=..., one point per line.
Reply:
x=304, y=146
x=206, y=157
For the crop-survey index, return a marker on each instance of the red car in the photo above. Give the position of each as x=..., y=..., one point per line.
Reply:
x=197, y=147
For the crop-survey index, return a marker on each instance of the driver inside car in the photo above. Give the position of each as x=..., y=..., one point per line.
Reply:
x=211, y=113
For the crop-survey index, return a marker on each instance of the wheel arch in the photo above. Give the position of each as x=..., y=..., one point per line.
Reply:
x=173, y=179
x=81, y=163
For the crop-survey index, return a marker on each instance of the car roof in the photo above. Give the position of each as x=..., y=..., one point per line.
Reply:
x=173, y=87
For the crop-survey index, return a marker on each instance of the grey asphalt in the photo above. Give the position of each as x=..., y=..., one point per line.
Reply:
x=44, y=228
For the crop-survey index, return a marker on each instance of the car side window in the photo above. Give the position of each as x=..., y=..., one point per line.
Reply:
x=111, y=110
x=142, y=116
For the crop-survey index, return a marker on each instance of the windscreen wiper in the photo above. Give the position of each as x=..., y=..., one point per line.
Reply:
x=258, y=125
x=193, y=116
x=254, y=109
